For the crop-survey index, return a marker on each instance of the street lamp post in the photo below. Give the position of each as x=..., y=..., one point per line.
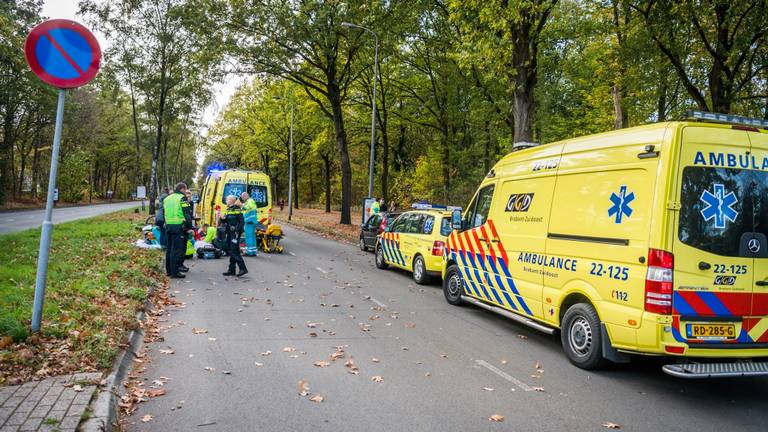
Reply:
x=290, y=161
x=373, y=103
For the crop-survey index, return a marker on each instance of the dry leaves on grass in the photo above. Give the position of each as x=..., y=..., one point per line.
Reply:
x=497, y=418
x=611, y=425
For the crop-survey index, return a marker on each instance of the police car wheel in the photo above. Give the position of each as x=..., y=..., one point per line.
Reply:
x=581, y=337
x=453, y=286
x=420, y=275
x=381, y=263
x=363, y=247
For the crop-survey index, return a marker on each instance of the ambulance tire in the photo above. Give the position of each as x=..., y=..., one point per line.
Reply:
x=420, y=275
x=581, y=336
x=381, y=263
x=453, y=287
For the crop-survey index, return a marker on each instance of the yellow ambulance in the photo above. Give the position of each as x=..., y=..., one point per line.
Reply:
x=415, y=241
x=648, y=240
x=220, y=183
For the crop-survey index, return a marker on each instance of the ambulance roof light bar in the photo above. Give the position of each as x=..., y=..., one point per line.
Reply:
x=421, y=205
x=724, y=118
x=522, y=145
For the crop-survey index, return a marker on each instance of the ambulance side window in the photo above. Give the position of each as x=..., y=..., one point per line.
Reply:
x=398, y=224
x=482, y=208
x=413, y=223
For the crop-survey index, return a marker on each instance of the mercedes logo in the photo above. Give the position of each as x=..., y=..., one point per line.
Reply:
x=754, y=245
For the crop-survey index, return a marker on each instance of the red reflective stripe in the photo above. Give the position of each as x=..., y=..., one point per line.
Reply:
x=739, y=304
x=490, y=244
x=760, y=304
x=461, y=242
x=501, y=246
x=469, y=242
x=696, y=302
x=477, y=242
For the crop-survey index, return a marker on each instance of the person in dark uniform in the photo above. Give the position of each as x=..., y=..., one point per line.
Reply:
x=177, y=221
x=234, y=223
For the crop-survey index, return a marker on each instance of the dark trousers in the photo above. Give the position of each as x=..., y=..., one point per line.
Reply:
x=163, y=234
x=175, y=246
x=234, y=255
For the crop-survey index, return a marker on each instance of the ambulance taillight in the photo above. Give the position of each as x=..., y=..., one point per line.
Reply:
x=658, y=282
x=438, y=247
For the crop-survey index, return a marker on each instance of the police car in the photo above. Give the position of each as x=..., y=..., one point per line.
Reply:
x=647, y=240
x=415, y=241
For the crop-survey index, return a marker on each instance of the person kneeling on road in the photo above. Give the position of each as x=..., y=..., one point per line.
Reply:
x=177, y=221
x=232, y=220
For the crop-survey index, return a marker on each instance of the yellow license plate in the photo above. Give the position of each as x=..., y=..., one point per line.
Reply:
x=711, y=331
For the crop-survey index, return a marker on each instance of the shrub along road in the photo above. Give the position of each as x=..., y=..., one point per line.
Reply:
x=372, y=351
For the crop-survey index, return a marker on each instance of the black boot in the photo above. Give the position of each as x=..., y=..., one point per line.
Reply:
x=242, y=272
x=183, y=268
x=230, y=272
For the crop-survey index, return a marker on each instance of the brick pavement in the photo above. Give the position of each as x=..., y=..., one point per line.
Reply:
x=55, y=404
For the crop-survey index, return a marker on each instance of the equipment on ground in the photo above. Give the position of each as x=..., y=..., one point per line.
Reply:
x=269, y=239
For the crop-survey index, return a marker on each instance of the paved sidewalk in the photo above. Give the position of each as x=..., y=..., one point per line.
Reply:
x=53, y=404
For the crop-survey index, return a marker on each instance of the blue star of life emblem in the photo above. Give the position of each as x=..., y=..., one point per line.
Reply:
x=621, y=206
x=719, y=206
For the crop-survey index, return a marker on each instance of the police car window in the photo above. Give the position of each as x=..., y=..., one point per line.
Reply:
x=234, y=189
x=429, y=224
x=717, y=207
x=445, y=227
x=413, y=223
x=259, y=194
x=483, y=207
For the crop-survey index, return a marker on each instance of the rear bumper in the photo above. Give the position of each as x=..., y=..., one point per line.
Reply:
x=717, y=370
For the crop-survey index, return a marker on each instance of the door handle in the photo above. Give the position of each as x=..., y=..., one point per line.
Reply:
x=704, y=265
x=761, y=283
x=495, y=240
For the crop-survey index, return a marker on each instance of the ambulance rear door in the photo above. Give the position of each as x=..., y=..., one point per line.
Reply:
x=714, y=273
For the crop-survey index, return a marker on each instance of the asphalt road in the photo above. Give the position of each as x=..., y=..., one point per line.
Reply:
x=444, y=368
x=26, y=219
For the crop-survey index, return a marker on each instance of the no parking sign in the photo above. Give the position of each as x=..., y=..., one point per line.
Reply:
x=66, y=55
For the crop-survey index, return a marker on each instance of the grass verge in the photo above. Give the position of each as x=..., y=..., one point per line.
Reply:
x=97, y=280
x=317, y=220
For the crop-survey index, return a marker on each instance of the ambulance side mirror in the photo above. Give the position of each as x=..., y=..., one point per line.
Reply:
x=456, y=220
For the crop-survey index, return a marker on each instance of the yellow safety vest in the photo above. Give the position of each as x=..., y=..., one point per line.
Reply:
x=173, y=208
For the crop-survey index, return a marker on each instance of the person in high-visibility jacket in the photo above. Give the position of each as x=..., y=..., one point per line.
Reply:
x=375, y=207
x=177, y=221
x=251, y=217
x=233, y=223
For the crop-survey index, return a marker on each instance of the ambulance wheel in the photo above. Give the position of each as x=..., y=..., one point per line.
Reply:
x=581, y=336
x=453, y=286
x=363, y=247
x=381, y=263
x=420, y=275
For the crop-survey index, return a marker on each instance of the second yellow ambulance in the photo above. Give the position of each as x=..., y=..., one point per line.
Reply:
x=221, y=183
x=648, y=240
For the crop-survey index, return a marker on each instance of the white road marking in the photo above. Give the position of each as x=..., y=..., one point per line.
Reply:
x=321, y=270
x=523, y=386
x=378, y=303
x=291, y=253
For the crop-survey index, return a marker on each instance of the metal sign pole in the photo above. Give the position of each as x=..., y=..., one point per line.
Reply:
x=45, y=234
x=290, y=169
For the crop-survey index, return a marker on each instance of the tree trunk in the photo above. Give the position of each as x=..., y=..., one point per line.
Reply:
x=618, y=111
x=311, y=184
x=153, y=189
x=327, y=175
x=334, y=97
x=137, y=140
x=524, y=78
x=385, y=159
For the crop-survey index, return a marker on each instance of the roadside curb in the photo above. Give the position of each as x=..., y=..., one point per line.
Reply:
x=104, y=405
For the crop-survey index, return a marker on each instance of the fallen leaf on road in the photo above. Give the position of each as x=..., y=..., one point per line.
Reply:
x=316, y=398
x=496, y=418
x=212, y=339
x=488, y=388
x=377, y=379
x=354, y=371
x=312, y=325
x=523, y=337
x=259, y=364
x=209, y=369
x=537, y=365
x=289, y=349
x=504, y=362
x=226, y=372
x=266, y=353
x=428, y=374
x=538, y=389
x=337, y=355
x=303, y=387
x=404, y=348
x=350, y=363
x=77, y=388
x=166, y=351
x=410, y=326
x=196, y=330
x=147, y=418
x=322, y=364
x=155, y=392
x=444, y=355
x=610, y=425
x=312, y=334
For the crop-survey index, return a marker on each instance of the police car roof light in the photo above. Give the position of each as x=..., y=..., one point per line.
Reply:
x=725, y=118
x=427, y=206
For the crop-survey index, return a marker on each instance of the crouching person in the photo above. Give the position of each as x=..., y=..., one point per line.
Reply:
x=233, y=222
